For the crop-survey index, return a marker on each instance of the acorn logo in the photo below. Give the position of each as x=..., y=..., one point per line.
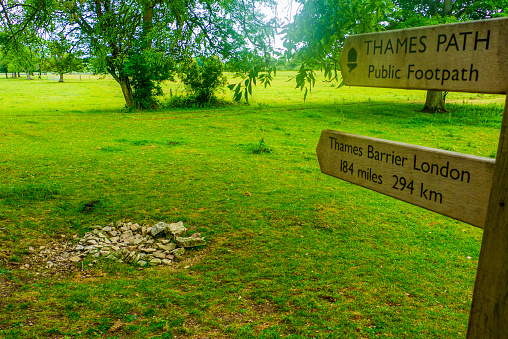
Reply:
x=351, y=59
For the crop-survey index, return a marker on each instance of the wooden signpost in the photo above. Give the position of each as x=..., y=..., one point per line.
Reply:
x=464, y=57
x=453, y=184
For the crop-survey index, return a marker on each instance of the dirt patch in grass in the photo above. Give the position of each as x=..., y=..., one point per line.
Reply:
x=7, y=287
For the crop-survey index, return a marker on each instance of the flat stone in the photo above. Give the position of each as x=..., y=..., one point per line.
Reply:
x=178, y=252
x=127, y=233
x=155, y=261
x=158, y=228
x=175, y=229
x=79, y=247
x=75, y=258
x=113, y=233
x=104, y=252
x=131, y=257
x=142, y=263
x=148, y=249
x=91, y=242
x=127, y=241
x=166, y=261
x=159, y=255
x=189, y=242
x=168, y=247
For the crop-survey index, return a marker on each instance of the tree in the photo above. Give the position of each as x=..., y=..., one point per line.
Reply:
x=4, y=67
x=140, y=42
x=318, y=31
x=411, y=13
x=20, y=21
x=23, y=54
x=64, y=58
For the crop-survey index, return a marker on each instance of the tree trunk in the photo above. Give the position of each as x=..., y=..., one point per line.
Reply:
x=435, y=99
x=28, y=76
x=434, y=102
x=447, y=7
x=126, y=90
x=61, y=77
x=147, y=25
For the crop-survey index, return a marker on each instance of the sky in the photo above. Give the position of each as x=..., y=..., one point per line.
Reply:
x=286, y=9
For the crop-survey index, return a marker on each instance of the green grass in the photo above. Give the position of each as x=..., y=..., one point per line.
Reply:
x=291, y=252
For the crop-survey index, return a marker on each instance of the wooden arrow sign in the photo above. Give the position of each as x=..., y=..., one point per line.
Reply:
x=453, y=184
x=464, y=57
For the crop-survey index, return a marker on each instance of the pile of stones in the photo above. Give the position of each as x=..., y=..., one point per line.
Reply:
x=130, y=243
x=135, y=244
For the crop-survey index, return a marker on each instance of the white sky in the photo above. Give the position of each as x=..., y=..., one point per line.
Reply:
x=286, y=9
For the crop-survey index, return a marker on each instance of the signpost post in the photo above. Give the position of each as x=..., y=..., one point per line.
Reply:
x=464, y=57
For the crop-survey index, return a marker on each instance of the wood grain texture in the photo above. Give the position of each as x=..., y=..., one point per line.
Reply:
x=453, y=184
x=489, y=311
x=463, y=57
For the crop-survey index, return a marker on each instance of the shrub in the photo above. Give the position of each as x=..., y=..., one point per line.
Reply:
x=147, y=69
x=203, y=78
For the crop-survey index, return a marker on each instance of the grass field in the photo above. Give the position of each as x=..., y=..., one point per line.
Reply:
x=291, y=252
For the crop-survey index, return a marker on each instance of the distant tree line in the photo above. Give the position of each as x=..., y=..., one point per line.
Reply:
x=35, y=55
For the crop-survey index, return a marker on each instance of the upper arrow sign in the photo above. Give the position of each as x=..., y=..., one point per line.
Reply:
x=464, y=57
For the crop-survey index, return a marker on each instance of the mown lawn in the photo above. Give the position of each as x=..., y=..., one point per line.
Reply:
x=291, y=252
